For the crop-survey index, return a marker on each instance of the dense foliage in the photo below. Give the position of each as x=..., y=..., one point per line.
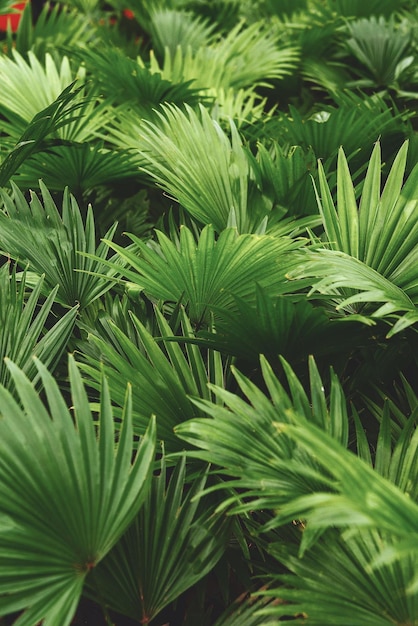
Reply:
x=208, y=313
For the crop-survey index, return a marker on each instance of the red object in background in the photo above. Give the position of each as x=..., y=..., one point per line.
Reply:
x=13, y=18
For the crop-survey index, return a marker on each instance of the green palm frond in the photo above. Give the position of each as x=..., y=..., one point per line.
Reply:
x=373, y=246
x=87, y=7
x=326, y=74
x=22, y=326
x=355, y=123
x=249, y=443
x=280, y=8
x=217, y=180
x=38, y=237
x=54, y=146
x=82, y=167
x=175, y=541
x=161, y=374
x=333, y=584
x=361, y=496
x=358, y=9
x=243, y=106
x=29, y=86
x=285, y=177
x=341, y=490
x=127, y=81
x=395, y=455
x=231, y=62
x=273, y=326
x=170, y=28
x=207, y=272
x=56, y=27
x=55, y=116
x=192, y=159
x=246, y=612
x=380, y=47
x=224, y=14
x=64, y=515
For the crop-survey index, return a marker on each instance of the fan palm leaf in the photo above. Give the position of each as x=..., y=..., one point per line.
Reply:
x=173, y=543
x=22, y=326
x=273, y=326
x=232, y=62
x=39, y=237
x=29, y=86
x=356, y=8
x=376, y=556
x=162, y=376
x=194, y=161
x=127, y=81
x=373, y=246
x=355, y=123
x=56, y=27
x=66, y=497
x=82, y=167
x=170, y=28
x=333, y=584
x=246, y=612
x=207, y=272
x=247, y=441
x=379, y=46
x=214, y=177
x=40, y=128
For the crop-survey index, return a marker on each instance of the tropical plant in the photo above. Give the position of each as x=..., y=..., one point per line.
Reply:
x=382, y=49
x=173, y=543
x=22, y=333
x=296, y=468
x=162, y=377
x=207, y=272
x=258, y=318
x=372, y=248
x=229, y=187
x=170, y=29
x=231, y=62
x=356, y=8
x=50, y=244
x=67, y=497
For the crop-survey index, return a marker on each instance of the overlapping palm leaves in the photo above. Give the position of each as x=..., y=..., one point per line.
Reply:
x=48, y=243
x=66, y=496
x=356, y=8
x=170, y=29
x=334, y=585
x=288, y=446
x=125, y=81
x=56, y=124
x=341, y=124
x=263, y=465
x=40, y=128
x=55, y=26
x=230, y=274
x=206, y=271
x=232, y=61
x=161, y=375
x=214, y=177
x=173, y=543
x=273, y=326
x=373, y=247
x=382, y=50
x=22, y=326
